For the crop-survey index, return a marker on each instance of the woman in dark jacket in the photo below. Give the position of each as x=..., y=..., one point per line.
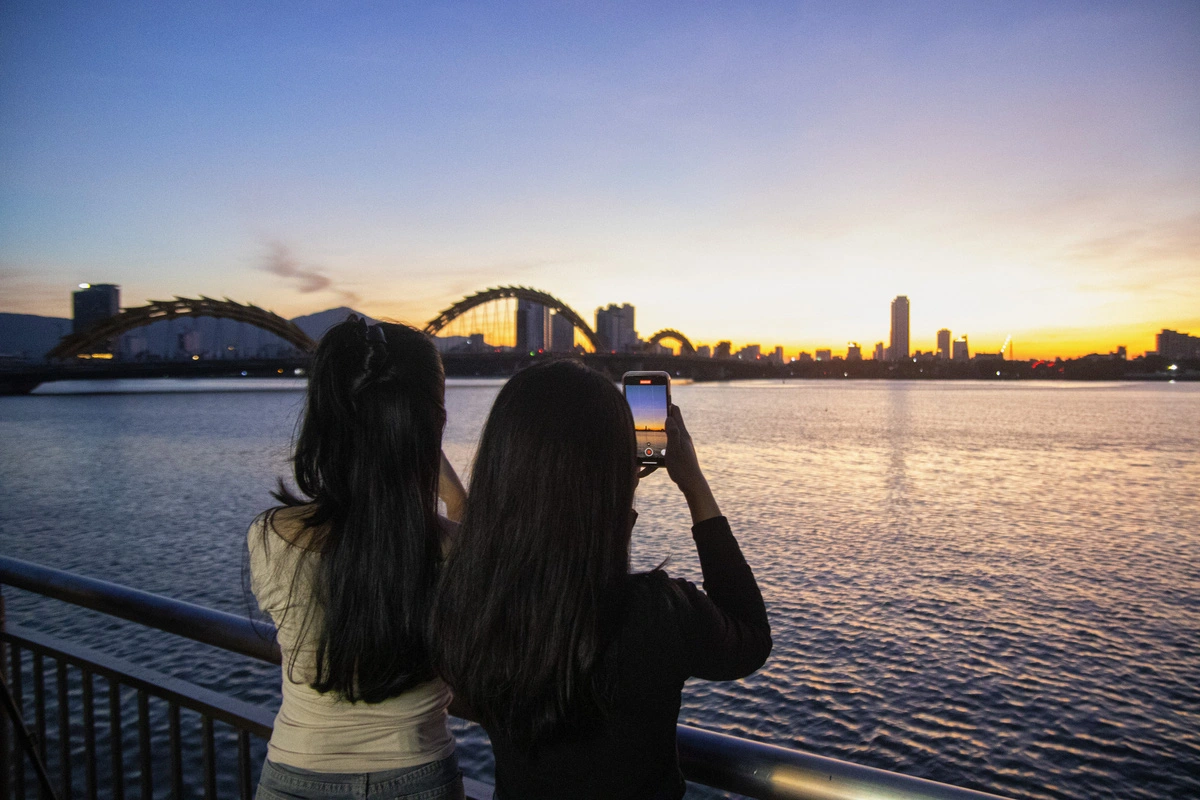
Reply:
x=573, y=665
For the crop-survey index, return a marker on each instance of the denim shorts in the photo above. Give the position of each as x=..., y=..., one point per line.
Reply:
x=437, y=780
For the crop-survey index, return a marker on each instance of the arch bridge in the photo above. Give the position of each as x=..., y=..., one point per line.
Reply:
x=546, y=299
x=685, y=347
x=98, y=335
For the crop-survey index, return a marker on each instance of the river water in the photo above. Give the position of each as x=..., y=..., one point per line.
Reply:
x=992, y=585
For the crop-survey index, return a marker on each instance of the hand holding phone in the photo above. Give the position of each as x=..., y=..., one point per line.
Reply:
x=684, y=469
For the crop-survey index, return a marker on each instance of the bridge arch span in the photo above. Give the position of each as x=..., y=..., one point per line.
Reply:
x=685, y=347
x=99, y=334
x=521, y=293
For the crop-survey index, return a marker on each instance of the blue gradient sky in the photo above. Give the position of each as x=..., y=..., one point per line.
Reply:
x=761, y=172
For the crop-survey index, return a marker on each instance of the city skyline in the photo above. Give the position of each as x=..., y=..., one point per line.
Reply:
x=773, y=174
x=538, y=327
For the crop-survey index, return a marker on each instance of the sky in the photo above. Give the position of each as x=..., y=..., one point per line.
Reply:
x=770, y=173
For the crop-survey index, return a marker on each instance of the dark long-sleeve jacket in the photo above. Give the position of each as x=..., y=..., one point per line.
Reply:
x=668, y=631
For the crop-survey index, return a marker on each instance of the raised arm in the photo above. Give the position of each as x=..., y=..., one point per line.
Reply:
x=726, y=629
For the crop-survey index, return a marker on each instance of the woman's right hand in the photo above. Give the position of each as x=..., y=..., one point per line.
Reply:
x=451, y=491
x=684, y=469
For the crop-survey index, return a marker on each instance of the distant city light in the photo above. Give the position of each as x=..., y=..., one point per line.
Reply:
x=1173, y=366
x=85, y=286
x=195, y=358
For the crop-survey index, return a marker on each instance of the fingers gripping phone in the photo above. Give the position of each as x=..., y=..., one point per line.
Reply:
x=649, y=397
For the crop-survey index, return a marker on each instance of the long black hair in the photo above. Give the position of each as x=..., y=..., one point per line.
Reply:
x=531, y=587
x=367, y=459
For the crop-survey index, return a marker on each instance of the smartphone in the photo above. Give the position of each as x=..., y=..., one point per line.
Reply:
x=649, y=397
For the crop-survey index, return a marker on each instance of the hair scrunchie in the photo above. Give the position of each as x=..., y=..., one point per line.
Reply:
x=376, y=355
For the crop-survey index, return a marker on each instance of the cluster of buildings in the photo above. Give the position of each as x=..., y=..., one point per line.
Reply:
x=541, y=328
x=898, y=347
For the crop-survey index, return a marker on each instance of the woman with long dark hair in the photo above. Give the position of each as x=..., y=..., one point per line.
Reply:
x=347, y=571
x=573, y=665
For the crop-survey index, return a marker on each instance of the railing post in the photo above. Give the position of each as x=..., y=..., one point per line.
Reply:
x=6, y=759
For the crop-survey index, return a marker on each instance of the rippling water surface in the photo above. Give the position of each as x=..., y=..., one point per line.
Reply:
x=992, y=585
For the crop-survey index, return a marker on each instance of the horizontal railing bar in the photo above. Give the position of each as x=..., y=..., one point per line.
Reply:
x=766, y=771
x=719, y=760
x=227, y=631
x=238, y=713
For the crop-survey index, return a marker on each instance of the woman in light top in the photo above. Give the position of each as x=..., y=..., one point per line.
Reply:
x=347, y=574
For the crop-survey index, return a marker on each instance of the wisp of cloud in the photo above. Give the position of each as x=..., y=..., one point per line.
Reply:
x=281, y=262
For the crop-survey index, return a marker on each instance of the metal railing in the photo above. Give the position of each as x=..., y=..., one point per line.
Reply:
x=723, y=762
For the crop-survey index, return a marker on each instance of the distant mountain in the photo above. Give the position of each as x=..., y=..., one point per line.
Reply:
x=28, y=336
x=316, y=324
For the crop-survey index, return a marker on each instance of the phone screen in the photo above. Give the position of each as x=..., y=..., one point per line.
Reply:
x=648, y=396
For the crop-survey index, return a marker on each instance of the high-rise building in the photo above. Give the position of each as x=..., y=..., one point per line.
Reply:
x=189, y=343
x=898, y=349
x=614, y=324
x=824, y=355
x=722, y=350
x=960, y=349
x=94, y=302
x=1172, y=344
x=750, y=352
x=704, y=351
x=777, y=356
x=853, y=352
x=879, y=351
x=533, y=319
x=944, y=344
x=562, y=333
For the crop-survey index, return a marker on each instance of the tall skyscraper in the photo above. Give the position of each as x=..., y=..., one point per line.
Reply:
x=960, y=349
x=94, y=302
x=898, y=349
x=879, y=351
x=944, y=344
x=533, y=320
x=853, y=352
x=562, y=334
x=615, y=325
